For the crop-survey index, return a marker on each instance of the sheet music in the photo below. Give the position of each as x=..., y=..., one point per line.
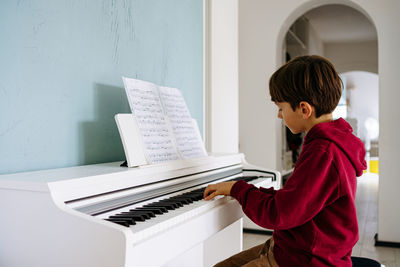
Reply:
x=186, y=133
x=145, y=104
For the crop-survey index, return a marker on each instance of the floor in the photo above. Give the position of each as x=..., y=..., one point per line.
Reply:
x=367, y=212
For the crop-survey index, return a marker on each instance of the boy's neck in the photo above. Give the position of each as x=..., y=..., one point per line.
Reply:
x=314, y=121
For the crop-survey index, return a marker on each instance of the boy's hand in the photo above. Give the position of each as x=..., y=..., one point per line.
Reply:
x=214, y=190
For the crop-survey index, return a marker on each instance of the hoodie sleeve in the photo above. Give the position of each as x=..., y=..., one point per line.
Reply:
x=313, y=185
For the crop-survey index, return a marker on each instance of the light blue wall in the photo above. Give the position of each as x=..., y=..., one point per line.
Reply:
x=61, y=64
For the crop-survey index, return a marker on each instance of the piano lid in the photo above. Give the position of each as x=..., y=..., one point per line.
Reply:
x=82, y=181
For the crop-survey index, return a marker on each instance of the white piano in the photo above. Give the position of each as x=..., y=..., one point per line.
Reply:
x=107, y=215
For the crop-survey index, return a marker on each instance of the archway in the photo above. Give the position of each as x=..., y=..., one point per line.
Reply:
x=306, y=7
x=348, y=39
x=262, y=29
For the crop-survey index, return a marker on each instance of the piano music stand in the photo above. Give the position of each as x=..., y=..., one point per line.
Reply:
x=131, y=140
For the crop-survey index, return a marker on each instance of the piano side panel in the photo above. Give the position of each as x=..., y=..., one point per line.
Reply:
x=35, y=232
x=218, y=247
x=193, y=258
x=224, y=244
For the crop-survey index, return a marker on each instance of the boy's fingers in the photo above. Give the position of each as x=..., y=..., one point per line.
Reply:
x=207, y=191
x=211, y=196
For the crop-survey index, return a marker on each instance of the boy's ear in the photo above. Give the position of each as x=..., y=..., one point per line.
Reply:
x=306, y=109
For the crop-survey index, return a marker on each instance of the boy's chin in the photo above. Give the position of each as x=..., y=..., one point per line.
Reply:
x=294, y=131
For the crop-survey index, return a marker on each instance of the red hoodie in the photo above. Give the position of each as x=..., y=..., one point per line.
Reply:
x=314, y=214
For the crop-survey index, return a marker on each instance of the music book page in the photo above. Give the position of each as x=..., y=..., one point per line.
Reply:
x=187, y=138
x=146, y=107
x=168, y=131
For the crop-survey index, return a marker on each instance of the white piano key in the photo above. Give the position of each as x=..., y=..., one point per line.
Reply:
x=162, y=222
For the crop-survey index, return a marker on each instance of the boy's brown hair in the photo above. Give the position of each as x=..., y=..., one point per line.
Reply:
x=312, y=79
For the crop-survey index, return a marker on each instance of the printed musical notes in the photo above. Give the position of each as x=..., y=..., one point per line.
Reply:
x=186, y=135
x=168, y=131
x=147, y=109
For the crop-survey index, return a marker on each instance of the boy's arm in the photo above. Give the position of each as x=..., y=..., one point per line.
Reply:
x=225, y=188
x=313, y=185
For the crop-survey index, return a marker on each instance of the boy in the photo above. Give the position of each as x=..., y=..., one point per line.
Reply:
x=313, y=215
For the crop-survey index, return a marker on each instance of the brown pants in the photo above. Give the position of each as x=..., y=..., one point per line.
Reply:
x=258, y=256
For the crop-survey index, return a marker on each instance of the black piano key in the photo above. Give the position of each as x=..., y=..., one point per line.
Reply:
x=184, y=200
x=192, y=198
x=157, y=204
x=124, y=223
x=176, y=204
x=179, y=202
x=121, y=221
x=148, y=212
x=191, y=193
x=128, y=217
x=145, y=214
x=196, y=196
x=155, y=210
x=137, y=217
x=168, y=205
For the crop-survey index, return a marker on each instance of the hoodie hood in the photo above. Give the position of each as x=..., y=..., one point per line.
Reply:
x=341, y=133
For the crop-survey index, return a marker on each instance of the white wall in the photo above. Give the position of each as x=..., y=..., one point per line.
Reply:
x=363, y=98
x=263, y=24
x=221, y=76
x=258, y=124
x=315, y=44
x=352, y=56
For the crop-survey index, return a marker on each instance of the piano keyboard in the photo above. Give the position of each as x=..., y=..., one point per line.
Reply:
x=156, y=215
